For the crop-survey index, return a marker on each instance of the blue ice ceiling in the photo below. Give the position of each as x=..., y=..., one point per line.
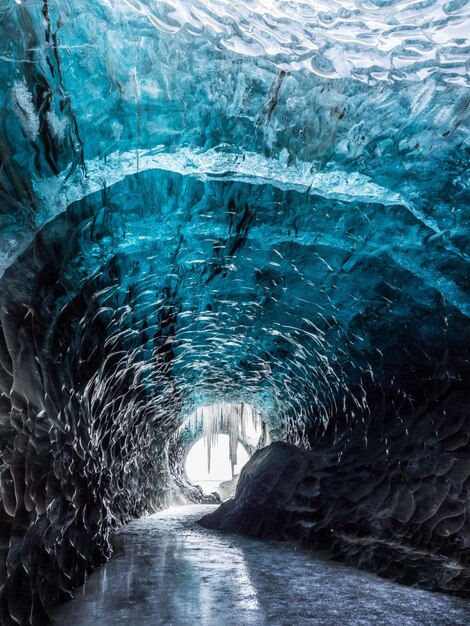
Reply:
x=262, y=202
x=297, y=174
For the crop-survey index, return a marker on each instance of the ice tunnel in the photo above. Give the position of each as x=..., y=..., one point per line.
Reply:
x=259, y=203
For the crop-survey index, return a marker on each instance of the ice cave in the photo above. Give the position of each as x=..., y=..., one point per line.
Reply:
x=221, y=217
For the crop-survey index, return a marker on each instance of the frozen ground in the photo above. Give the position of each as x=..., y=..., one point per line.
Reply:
x=168, y=570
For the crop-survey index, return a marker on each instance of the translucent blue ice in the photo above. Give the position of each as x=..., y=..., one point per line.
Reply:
x=300, y=168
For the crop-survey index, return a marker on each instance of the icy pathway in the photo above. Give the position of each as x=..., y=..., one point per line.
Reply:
x=168, y=570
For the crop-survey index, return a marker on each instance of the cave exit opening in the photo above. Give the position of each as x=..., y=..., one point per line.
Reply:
x=224, y=436
x=221, y=470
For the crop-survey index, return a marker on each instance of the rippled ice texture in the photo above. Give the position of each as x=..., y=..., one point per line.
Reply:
x=120, y=88
x=381, y=40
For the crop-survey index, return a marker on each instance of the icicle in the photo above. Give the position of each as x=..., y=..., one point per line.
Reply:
x=243, y=421
x=227, y=418
x=209, y=449
x=233, y=441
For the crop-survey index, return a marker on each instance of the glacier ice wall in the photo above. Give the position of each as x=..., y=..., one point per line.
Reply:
x=200, y=202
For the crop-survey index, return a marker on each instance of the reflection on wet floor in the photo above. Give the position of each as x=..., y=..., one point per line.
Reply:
x=168, y=570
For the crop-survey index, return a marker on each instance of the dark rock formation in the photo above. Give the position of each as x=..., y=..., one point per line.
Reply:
x=403, y=515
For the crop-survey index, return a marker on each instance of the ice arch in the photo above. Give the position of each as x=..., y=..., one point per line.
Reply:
x=240, y=422
x=206, y=203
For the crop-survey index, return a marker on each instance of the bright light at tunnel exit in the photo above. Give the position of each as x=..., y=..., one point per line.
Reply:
x=211, y=459
x=196, y=463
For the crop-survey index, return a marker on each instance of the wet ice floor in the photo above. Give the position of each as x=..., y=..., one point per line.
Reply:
x=168, y=570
